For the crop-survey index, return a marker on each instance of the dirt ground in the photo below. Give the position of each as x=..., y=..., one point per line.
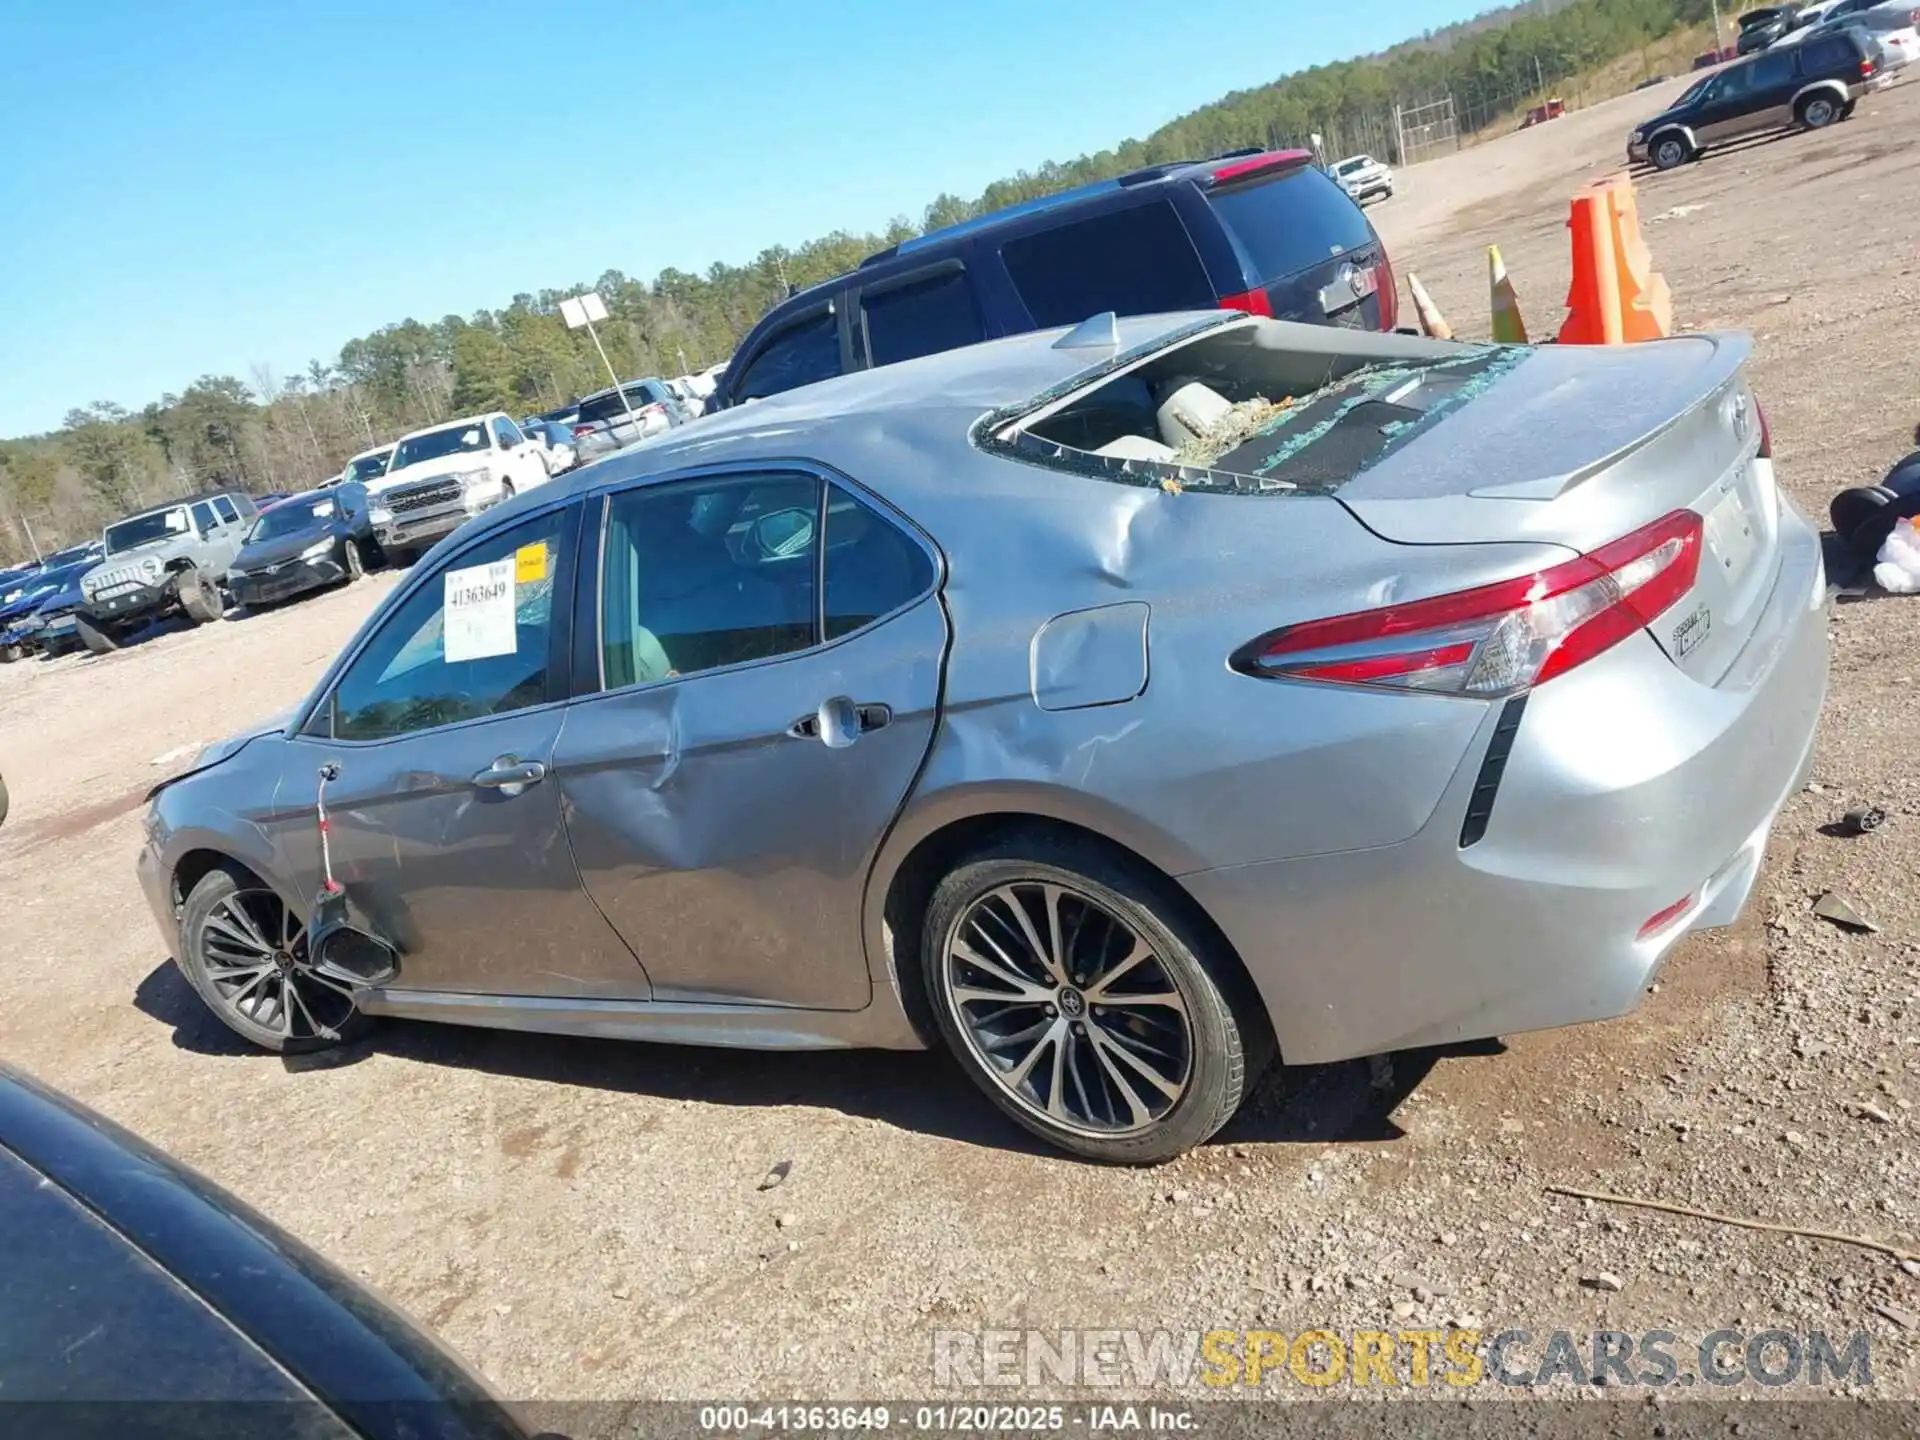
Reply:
x=582, y=1219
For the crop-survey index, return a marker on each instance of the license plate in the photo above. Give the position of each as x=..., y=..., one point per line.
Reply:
x=1731, y=536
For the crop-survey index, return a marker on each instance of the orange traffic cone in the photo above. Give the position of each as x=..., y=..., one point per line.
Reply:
x=1508, y=326
x=1432, y=322
x=1616, y=295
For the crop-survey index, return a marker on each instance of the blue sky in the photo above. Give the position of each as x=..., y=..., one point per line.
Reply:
x=193, y=188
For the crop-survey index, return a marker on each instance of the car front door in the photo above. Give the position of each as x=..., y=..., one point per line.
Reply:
x=444, y=820
x=765, y=703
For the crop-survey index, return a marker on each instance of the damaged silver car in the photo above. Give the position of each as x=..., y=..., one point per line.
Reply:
x=1119, y=710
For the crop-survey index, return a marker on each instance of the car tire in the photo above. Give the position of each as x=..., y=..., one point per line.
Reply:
x=400, y=557
x=1670, y=152
x=1816, y=112
x=9, y=654
x=1846, y=110
x=234, y=929
x=5, y=802
x=1181, y=1069
x=199, y=598
x=506, y=491
x=352, y=561
x=97, y=641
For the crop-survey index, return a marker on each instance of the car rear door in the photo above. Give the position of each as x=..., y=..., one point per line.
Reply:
x=445, y=822
x=1305, y=248
x=761, y=705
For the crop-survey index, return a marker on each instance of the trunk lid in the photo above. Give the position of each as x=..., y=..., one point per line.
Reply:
x=1578, y=446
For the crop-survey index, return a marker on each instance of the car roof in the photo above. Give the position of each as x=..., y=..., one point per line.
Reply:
x=379, y=448
x=606, y=390
x=942, y=396
x=166, y=505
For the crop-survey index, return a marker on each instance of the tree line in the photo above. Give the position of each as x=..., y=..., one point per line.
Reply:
x=287, y=432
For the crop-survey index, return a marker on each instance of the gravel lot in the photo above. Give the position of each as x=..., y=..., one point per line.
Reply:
x=581, y=1219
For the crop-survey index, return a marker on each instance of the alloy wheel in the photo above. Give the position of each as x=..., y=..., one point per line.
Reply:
x=253, y=950
x=1067, y=1007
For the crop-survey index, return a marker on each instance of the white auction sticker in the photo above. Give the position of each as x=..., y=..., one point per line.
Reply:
x=479, y=611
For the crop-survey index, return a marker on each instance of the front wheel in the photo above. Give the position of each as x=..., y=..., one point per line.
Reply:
x=9, y=654
x=245, y=953
x=199, y=598
x=97, y=641
x=1671, y=152
x=1075, y=991
x=1819, y=111
x=352, y=560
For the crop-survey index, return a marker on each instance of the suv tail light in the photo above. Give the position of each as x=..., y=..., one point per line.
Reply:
x=1766, y=430
x=581, y=430
x=1254, y=302
x=1496, y=639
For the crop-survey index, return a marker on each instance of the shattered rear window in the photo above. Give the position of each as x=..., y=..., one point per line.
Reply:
x=1323, y=440
x=1264, y=441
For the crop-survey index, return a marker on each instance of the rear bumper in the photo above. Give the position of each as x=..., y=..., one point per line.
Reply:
x=1628, y=787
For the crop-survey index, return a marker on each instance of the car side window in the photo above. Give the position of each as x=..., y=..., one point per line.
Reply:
x=1734, y=84
x=872, y=568
x=1137, y=261
x=1771, y=71
x=203, y=517
x=223, y=507
x=921, y=317
x=1826, y=54
x=473, y=640
x=700, y=574
x=504, y=432
x=799, y=355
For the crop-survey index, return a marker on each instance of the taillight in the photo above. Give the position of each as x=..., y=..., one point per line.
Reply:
x=1496, y=639
x=1387, y=288
x=1866, y=66
x=656, y=408
x=1661, y=919
x=1254, y=302
x=1766, y=431
x=580, y=430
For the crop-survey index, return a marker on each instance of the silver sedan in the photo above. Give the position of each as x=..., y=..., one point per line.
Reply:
x=1119, y=710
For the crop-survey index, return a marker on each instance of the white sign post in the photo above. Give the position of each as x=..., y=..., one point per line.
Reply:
x=584, y=309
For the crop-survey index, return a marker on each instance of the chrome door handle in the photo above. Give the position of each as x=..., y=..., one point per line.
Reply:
x=839, y=722
x=510, y=776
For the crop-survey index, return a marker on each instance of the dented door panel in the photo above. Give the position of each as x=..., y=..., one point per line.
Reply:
x=728, y=846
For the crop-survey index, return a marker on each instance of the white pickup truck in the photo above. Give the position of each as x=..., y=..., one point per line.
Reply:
x=1362, y=177
x=443, y=476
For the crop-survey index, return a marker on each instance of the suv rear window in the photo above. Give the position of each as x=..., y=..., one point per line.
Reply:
x=1137, y=261
x=799, y=355
x=1292, y=223
x=921, y=317
x=608, y=406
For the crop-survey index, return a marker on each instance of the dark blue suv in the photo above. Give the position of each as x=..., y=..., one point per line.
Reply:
x=1266, y=232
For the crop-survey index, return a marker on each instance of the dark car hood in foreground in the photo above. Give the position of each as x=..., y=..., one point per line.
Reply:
x=130, y=1279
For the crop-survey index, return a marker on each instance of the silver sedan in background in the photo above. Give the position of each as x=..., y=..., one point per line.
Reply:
x=1117, y=709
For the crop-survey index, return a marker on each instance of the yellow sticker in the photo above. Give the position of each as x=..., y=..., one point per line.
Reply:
x=530, y=563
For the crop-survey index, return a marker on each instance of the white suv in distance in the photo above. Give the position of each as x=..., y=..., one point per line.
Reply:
x=443, y=476
x=1363, y=177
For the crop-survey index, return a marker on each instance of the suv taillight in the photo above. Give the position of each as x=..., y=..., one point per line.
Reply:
x=580, y=430
x=1254, y=302
x=1866, y=65
x=1497, y=639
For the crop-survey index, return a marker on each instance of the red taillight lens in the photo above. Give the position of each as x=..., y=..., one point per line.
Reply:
x=1387, y=287
x=1502, y=638
x=1866, y=66
x=1766, y=431
x=1270, y=160
x=657, y=408
x=580, y=430
x=1254, y=302
x=1661, y=919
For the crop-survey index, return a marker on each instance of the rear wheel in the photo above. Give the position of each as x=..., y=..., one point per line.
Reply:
x=245, y=953
x=1670, y=152
x=97, y=641
x=1818, y=111
x=1074, y=990
x=199, y=597
x=1846, y=110
x=9, y=654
